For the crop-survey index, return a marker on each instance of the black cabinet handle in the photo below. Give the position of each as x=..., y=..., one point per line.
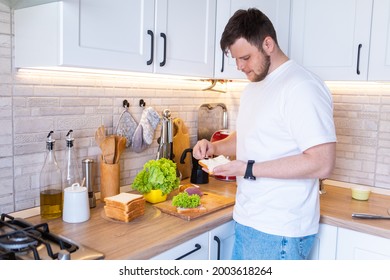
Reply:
x=223, y=62
x=197, y=247
x=358, y=60
x=216, y=238
x=162, y=63
x=150, y=61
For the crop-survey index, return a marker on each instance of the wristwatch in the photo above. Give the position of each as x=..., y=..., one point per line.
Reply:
x=249, y=171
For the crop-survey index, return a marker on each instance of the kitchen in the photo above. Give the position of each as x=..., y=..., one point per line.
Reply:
x=32, y=102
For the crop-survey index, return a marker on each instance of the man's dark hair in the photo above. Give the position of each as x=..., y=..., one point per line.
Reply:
x=251, y=24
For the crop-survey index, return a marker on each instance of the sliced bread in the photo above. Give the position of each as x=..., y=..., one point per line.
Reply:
x=211, y=163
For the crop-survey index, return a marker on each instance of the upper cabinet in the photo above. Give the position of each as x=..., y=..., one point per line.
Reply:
x=162, y=36
x=278, y=11
x=342, y=40
x=379, y=66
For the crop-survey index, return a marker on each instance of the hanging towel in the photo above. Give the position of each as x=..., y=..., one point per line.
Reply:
x=144, y=133
x=126, y=126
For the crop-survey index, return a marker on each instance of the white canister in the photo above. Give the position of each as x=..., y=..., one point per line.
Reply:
x=76, y=204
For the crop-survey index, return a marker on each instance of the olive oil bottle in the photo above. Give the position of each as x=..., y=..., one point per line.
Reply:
x=50, y=181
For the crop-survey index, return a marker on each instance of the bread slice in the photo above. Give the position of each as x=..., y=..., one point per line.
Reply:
x=120, y=215
x=211, y=163
x=125, y=201
x=124, y=206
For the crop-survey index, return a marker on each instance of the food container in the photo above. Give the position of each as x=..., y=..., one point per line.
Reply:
x=360, y=193
x=155, y=196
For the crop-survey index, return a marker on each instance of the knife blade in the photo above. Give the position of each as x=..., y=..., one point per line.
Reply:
x=369, y=216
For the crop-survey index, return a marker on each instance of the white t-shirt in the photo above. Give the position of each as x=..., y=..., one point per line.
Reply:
x=288, y=112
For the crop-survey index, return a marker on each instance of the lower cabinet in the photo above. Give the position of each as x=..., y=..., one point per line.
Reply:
x=336, y=243
x=324, y=247
x=214, y=244
x=221, y=240
x=353, y=245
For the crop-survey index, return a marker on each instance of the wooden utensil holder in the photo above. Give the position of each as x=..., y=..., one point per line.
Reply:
x=109, y=179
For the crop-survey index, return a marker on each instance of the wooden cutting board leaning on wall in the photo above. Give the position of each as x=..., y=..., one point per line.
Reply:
x=181, y=141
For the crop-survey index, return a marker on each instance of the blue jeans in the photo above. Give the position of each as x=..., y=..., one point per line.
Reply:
x=251, y=244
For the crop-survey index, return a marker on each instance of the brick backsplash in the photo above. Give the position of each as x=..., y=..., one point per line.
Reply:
x=34, y=102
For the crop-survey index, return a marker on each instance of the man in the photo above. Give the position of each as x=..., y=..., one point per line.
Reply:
x=284, y=142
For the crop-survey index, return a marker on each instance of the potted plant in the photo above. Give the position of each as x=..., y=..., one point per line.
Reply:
x=156, y=180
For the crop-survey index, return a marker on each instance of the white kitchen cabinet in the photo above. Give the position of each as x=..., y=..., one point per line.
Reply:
x=379, y=65
x=194, y=249
x=221, y=241
x=353, y=45
x=332, y=37
x=162, y=36
x=214, y=244
x=190, y=31
x=85, y=33
x=325, y=245
x=353, y=245
x=278, y=12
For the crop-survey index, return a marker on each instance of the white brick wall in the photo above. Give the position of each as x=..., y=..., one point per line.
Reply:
x=32, y=103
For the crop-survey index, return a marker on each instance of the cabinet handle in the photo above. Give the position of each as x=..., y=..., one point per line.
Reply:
x=223, y=62
x=150, y=61
x=162, y=63
x=216, y=238
x=358, y=60
x=197, y=247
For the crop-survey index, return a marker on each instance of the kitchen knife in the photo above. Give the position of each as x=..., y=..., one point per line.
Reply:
x=369, y=216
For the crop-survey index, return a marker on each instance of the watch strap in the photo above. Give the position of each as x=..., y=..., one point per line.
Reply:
x=249, y=170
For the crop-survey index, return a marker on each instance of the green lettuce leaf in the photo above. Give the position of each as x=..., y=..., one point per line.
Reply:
x=157, y=174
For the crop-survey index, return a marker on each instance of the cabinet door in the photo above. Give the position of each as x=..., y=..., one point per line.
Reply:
x=380, y=42
x=86, y=33
x=101, y=34
x=194, y=249
x=324, y=247
x=185, y=31
x=221, y=240
x=332, y=37
x=278, y=12
x=353, y=245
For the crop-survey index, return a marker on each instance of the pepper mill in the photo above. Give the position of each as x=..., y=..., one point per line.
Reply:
x=89, y=175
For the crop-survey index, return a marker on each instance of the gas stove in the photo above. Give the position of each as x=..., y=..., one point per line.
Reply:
x=20, y=240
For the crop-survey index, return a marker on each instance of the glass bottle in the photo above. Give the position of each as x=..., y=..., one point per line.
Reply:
x=50, y=181
x=71, y=170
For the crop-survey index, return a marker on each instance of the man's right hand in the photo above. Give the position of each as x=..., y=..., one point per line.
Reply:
x=203, y=149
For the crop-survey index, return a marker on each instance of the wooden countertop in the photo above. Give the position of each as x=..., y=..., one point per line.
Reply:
x=156, y=232
x=337, y=206
x=146, y=236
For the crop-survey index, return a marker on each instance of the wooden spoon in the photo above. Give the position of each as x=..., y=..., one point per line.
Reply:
x=120, y=147
x=100, y=135
x=108, y=149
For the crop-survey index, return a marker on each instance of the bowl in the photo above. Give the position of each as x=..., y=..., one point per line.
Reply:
x=360, y=193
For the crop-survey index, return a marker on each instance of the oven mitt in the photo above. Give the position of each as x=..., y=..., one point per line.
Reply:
x=144, y=133
x=126, y=127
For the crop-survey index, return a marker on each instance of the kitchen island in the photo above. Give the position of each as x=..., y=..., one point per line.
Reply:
x=155, y=232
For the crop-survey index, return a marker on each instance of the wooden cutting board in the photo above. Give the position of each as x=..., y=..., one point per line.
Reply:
x=212, y=202
x=181, y=141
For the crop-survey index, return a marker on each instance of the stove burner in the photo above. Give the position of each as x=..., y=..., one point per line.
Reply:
x=19, y=241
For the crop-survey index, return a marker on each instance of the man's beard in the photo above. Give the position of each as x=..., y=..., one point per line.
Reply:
x=266, y=65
